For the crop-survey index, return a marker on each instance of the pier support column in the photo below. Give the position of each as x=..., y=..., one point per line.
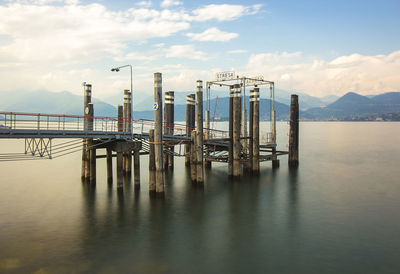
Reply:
x=136, y=168
x=190, y=116
x=193, y=156
x=230, y=143
x=120, y=172
x=92, y=149
x=127, y=118
x=87, y=99
x=256, y=131
x=158, y=133
x=237, y=112
x=199, y=134
x=152, y=163
x=109, y=165
x=293, y=159
x=169, y=127
x=251, y=124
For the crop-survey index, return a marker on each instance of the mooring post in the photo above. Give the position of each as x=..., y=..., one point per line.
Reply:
x=92, y=149
x=207, y=163
x=136, y=168
x=190, y=113
x=152, y=163
x=120, y=118
x=275, y=160
x=169, y=127
x=251, y=124
x=158, y=133
x=200, y=136
x=230, y=143
x=237, y=113
x=256, y=131
x=87, y=98
x=193, y=156
x=127, y=158
x=109, y=165
x=293, y=158
x=120, y=172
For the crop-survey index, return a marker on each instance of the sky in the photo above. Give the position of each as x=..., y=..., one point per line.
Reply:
x=316, y=47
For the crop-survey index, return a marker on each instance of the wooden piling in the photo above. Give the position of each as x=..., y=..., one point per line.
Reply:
x=293, y=158
x=193, y=156
x=120, y=172
x=87, y=98
x=237, y=112
x=92, y=150
x=199, y=134
x=109, y=165
x=230, y=143
x=169, y=127
x=120, y=118
x=190, y=113
x=251, y=114
x=136, y=168
x=152, y=163
x=158, y=131
x=127, y=127
x=207, y=135
x=256, y=131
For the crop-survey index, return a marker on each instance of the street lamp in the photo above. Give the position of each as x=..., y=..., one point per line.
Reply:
x=117, y=70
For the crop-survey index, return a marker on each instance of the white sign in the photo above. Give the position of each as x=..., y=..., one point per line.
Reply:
x=226, y=75
x=155, y=106
x=254, y=80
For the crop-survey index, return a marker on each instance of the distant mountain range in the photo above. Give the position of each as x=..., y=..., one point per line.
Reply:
x=353, y=104
x=347, y=107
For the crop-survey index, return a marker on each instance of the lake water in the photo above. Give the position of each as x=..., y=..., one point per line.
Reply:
x=339, y=212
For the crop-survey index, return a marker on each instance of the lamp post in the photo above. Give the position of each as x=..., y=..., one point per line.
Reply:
x=117, y=70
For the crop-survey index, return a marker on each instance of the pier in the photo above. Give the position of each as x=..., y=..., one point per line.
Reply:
x=127, y=139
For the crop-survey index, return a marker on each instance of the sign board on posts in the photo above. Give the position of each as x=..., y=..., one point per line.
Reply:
x=251, y=81
x=225, y=75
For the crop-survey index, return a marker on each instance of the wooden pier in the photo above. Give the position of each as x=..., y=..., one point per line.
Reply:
x=163, y=139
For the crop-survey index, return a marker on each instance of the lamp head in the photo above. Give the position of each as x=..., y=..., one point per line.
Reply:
x=115, y=69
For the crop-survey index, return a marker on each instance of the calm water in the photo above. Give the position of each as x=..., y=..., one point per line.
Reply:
x=339, y=212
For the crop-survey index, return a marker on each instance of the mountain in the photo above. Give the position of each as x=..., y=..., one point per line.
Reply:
x=353, y=104
x=51, y=102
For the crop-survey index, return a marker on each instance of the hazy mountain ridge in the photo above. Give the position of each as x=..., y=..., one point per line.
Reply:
x=345, y=107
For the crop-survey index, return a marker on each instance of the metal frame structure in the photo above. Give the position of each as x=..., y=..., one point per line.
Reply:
x=246, y=81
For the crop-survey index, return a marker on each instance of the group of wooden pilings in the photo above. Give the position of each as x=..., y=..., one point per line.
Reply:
x=243, y=148
x=124, y=149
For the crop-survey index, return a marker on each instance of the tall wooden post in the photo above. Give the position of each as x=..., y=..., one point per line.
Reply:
x=152, y=163
x=109, y=165
x=92, y=149
x=251, y=118
x=120, y=172
x=294, y=132
x=87, y=99
x=207, y=163
x=127, y=158
x=237, y=112
x=230, y=143
x=199, y=134
x=158, y=133
x=169, y=127
x=256, y=131
x=136, y=168
x=193, y=156
x=190, y=113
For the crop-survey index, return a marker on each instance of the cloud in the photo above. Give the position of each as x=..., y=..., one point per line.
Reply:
x=224, y=12
x=355, y=72
x=212, y=34
x=170, y=3
x=237, y=51
x=185, y=51
x=144, y=4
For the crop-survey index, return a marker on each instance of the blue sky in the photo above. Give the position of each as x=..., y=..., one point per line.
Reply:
x=316, y=47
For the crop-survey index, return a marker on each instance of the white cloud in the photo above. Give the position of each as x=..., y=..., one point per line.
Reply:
x=144, y=4
x=170, y=3
x=185, y=51
x=356, y=72
x=224, y=12
x=237, y=51
x=212, y=34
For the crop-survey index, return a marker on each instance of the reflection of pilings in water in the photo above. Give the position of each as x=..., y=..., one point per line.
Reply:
x=293, y=196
